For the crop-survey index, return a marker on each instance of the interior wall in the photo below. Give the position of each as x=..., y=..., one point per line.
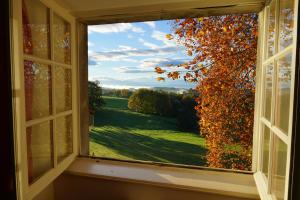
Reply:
x=80, y=188
x=46, y=194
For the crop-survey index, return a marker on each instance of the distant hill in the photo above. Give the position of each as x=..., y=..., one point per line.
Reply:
x=170, y=89
x=127, y=92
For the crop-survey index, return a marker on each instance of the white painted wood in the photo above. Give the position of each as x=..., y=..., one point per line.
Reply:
x=26, y=191
x=265, y=190
x=81, y=5
x=45, y=61
x=227, y=183
x=293, y=72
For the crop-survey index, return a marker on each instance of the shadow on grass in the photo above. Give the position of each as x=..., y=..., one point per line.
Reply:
x=128, y=119
x=143, y=147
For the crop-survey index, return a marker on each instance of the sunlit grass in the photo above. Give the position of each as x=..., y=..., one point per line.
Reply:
x=123, y=134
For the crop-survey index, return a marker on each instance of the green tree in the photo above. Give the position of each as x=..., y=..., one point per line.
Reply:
x=95, y=96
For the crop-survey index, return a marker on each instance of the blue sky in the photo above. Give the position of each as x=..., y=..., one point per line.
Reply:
x=124, y=55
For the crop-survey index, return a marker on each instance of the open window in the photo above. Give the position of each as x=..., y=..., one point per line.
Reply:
x=51, y=113
x=275, y=110
x=46, y=78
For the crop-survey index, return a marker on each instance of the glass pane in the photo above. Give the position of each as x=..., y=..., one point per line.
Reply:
x=286, y=23
x=64, y=135
x=63, y=89
x=39, y=150
x=35, y=18
x=61, y=40
x=269, y=70
x=283, y=93
x=265, y=149
x=278, y=174
x=271, y=30
x=38, y=87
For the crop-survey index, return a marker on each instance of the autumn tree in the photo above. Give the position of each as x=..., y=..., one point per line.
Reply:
x=223, y=63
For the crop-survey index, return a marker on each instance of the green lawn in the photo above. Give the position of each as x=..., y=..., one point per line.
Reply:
x=123, y=134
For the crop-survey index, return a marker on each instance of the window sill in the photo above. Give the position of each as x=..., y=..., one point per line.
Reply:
x=224, y=183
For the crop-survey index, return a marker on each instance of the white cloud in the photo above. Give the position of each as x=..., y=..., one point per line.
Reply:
x=151, y=24
x=137, y=29
x=125, y=48
x=90, y=44
x=162, y=62
x=133, y=70
x=126, y=55
x=114, y=28
x=148, y=44
x=161, y=36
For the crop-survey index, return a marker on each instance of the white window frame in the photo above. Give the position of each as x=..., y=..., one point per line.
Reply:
x=30, y=191
x=25, y=190
x=264, y=185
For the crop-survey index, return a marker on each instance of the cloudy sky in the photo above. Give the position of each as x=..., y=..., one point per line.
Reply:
x=124, y=55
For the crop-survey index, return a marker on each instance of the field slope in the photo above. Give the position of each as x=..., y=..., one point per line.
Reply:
x=122, y=134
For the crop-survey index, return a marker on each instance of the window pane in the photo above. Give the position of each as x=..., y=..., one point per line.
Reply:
x=283, y=93
x=278, y=174
x=61, y=40
x=265, y=149
x=286, y=23
x=35, y=18
x=63, y=89
x=39, y=150
x=64, y=137
x=269, y=70
x=38, y=87
x=271, y=30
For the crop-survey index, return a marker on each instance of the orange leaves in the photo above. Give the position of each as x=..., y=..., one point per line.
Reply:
x=169, y=36
x=184, y=65
x=201, y=33
x=174, y=75
x=222, y=52
x=160, y=79
x=200, y=19
x=204, y=70
x=159, y=70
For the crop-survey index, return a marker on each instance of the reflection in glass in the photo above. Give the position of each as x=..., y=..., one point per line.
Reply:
x=38, y=87
x=266, y=149
x=279, y=169
x=39, y=149
x=286, y=23
x=271, y=30
x=35, y=19
x=63, y=89
x=283, y=92
x=61, y=40
x=64, y=137
x=269, y=71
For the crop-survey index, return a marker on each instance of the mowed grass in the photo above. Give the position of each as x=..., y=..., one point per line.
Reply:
x=123, y=134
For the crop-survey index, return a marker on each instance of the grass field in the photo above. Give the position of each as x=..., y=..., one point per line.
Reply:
x=122, y=134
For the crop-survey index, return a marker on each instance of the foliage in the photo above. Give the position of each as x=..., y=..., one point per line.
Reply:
x=223, y=51
x=180, y=106
x=151, y=102
x=186, y=115
x=95, y=96
x=123, y=93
